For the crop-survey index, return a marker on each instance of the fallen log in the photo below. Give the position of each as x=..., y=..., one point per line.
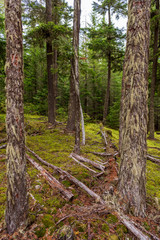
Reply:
x=103, y=135
x=3, y=146
x=136, y=232
x=83, y=159
x=89, y=169
x=144, y=230
x=155, y=160
x=102, y=154
x=70, y=177
x=53, y=182
x=3, y=140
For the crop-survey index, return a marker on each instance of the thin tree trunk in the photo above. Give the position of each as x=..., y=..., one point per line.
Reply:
x=51, y=85
x=133, y=129
x=107, y=96
x=72, y=104
x=17, y=200
x=154, y=75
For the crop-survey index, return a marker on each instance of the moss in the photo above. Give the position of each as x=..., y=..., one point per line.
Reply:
x=105, y=227
x=121, y=230
x=47, y=220
x=66, y=183
x=146, y=226
x=81, y=227
x=40, y=232
x=55, y=202
x=113, y=237
x=111, y=219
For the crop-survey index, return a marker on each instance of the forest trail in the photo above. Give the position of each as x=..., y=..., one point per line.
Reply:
x=49, y=210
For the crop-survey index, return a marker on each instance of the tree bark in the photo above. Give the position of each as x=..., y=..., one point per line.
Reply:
x=72, y=104
x=133, y=128
x=107, y=96
x=154, y=75
x=75, y=71
x=17, y=200
x=51, y=82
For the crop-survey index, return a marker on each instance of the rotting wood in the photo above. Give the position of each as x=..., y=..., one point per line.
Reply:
x=3, y=140
x=136, y=232
x=83, y=159
x=70, y=177
x=83, y=165
x=3, y=146
x=53, y=182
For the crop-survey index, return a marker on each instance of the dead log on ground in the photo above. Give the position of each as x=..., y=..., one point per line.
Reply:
x=89, y=169
x=53, y=182
x=3, y=146
x=103, y=135
x=136, y=232
x=83, y=159
x=102, y=154
x=3, y=140
x=70, y=177
x=155, y=160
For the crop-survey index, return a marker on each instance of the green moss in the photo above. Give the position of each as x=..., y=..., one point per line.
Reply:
x=40, y=232
x=66, y=183
x=121, y=230
x=47, y=220
x=105, y=227
x=111, y=219
x=146, y=226
x=113, y=237
x=81, y=227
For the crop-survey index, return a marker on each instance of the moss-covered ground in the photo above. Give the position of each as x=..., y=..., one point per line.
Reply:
x=48, y=210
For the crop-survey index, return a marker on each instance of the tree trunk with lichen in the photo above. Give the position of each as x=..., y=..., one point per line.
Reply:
x=17, y=201
x=75, y=71
x=133, y=130
x=50, y=64
x=154, y=74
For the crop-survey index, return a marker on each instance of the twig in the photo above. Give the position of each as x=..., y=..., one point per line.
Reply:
x=3, y=146
x=3, y=140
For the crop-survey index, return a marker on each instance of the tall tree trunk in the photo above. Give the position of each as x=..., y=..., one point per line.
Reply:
x=107, y=96
x=72, y=103
x=75, y=71
x=154, y=75
x=51, y=85
x=133, y=129
x=17, y=201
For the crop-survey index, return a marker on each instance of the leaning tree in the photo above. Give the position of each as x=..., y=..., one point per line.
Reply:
x=133, y=118
x=17, y=201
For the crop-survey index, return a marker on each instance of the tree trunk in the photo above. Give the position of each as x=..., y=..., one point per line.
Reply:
x=17, y=200
x=75, y=71
x=154, y=75
x=107, y=96
x=51, y=85
x=133, y=128
x=72, y=104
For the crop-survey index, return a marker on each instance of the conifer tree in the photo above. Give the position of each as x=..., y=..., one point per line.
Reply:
x=17, y=201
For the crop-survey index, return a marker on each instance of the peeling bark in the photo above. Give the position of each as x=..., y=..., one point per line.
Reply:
x=133, y=129
x=17, y=200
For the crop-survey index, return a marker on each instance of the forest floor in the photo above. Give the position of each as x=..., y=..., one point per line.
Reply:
x=49, y=212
